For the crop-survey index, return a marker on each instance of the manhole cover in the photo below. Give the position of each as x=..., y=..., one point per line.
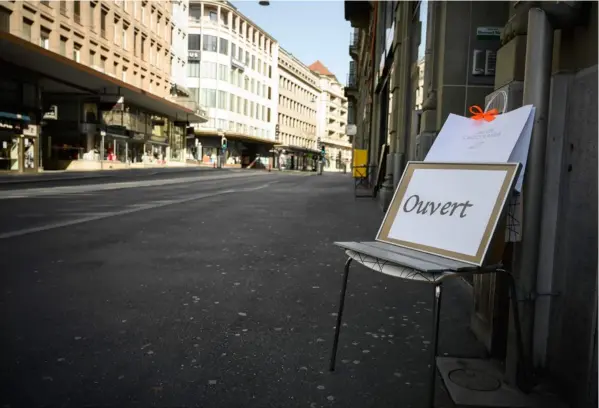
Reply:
x=474, y=380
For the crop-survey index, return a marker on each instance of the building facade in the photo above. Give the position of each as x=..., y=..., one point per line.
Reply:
x=232, y=72
x=332, y=117
x=299, y=93
x=502, y=55
x=88, y=85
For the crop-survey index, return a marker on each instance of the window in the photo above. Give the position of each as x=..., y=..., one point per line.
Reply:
x=253, y=62
x=27, y=29
x=253, y=85
x=63, y=46
x=195, y=94
x=143, y=14
x=233, y=50
x=135, y=35
x=223, y=46
x=92, y=57
x=239, y=104
x=45, y=38
x=247, y=58
x=208, y=70
x=259, y=67
x=195, y=14
x=193, y=69
x=246, y=105
x=222, y=100
x=208, y=97
x=232, y=100
x=233, y=76
x=103, y=16
x=124, y=43
x=115, y=31
x=223, y=72
x=210, y=43
x=193, y=42
x=77, y=52
x=212, y=15
x=143, y=47
x=246, y=84
x=92, y=16
x=124, y=75
x=103, y=63
x=77, y=11
x=240, y=54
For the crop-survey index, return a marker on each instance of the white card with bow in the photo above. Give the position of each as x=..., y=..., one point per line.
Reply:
x=504, y=139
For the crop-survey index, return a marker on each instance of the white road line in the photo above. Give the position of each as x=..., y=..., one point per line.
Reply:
x=53, y=191
x=137, y=208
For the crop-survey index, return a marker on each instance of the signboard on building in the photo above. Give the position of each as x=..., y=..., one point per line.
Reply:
x=52, y=113
x=193, y=55
x=449, y=209
x=488, y=33
x=351, y=130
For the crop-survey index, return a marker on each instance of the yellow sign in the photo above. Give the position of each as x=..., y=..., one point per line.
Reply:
x=360, y=162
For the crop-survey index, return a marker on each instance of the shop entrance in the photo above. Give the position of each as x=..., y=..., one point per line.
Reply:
x=18, y=153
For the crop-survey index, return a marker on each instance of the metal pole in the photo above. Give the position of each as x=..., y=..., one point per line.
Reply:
x=340, y=314
x=537, y=79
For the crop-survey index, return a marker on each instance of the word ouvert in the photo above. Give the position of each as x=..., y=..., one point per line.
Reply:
x=431, y=207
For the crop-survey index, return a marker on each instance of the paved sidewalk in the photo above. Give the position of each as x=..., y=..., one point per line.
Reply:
x=47, y=176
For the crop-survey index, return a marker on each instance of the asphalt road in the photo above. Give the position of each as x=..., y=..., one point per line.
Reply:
x=213, y=292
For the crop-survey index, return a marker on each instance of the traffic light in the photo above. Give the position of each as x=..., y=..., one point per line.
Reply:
x=277, y=130
x=223, y=143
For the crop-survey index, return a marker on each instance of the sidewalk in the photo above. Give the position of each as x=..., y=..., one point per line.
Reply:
x=65, y=175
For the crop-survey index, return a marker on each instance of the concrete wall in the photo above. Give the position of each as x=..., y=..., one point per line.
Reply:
x=572, y=332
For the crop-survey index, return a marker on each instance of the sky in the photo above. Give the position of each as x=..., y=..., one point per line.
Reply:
x=310, y=30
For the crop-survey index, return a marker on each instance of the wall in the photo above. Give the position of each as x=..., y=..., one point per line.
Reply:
x=572, y=331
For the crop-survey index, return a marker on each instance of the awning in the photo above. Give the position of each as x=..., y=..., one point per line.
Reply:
x=14, y=116
x=230, y=135
x=17, y=51
x=298, y=149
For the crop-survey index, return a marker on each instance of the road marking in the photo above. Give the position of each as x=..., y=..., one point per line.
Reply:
x=36, y=192
x=137, y=208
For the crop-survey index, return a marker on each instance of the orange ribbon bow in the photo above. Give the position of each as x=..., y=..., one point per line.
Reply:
x=478, y=113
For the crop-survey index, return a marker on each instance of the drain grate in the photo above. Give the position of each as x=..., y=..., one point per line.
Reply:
x=474, y=380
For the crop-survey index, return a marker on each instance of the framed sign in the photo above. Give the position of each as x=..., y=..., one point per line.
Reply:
x=448, y=209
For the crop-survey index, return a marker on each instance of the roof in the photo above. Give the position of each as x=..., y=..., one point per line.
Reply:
x=319, y=68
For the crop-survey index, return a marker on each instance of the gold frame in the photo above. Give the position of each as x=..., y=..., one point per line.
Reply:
x=511, y=169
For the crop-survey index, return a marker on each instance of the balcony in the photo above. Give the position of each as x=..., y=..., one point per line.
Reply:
x=358, y=13
x=238, y=64
x=354, y=39
x=351, y=89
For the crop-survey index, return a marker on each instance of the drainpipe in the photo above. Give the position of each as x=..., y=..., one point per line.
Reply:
x=537, y=81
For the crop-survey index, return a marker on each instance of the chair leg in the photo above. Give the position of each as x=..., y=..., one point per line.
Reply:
x=340, y=314
x=435, y=345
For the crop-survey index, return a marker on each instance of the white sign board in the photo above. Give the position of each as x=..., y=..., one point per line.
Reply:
x=448, y=209
x=505, y=139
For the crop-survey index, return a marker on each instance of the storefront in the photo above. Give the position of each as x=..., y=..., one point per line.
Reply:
x=19, y=143
x=296, y=158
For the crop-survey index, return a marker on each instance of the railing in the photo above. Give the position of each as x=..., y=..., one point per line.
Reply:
x=353, y=41
x=352, y=81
